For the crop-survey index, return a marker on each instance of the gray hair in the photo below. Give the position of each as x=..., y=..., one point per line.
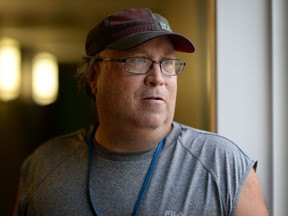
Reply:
x=86, y=69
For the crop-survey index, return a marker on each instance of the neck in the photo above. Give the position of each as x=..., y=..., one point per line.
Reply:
x=131, y=140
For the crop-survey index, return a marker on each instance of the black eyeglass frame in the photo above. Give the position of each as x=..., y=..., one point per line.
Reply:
x=124, y=60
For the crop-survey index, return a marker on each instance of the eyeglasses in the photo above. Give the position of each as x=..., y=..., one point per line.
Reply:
x=139, y=65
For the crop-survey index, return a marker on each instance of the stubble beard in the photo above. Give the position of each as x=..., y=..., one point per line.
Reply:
x=148, y=119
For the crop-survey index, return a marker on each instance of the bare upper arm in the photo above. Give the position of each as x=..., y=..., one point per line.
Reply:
x=251, y=200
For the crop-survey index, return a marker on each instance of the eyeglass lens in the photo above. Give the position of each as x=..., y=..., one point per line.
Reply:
x=142, y=65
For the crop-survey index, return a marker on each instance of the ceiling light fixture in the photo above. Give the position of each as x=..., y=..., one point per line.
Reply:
x=10, y=69
x=45, y=82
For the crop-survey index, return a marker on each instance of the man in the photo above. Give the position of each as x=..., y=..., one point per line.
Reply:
x=136, y=160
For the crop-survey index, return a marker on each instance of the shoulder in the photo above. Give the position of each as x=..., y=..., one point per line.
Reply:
x=203, y=141
x=216, y=153
x=51, y=154
x=220, y=158
x=61, y=146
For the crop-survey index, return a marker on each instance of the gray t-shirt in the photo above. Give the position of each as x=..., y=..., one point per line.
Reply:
x=197, y=173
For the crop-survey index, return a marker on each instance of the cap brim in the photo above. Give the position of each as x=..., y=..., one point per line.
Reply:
x=180, y=43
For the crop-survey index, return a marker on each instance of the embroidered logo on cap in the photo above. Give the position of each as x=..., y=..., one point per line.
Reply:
x=165, y=26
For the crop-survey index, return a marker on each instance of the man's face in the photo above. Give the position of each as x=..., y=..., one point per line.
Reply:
x=142, y=101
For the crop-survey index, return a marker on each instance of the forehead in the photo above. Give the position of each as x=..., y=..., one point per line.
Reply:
x=160, y=45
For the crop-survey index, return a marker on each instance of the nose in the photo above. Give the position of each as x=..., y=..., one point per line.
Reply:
x=155, y=77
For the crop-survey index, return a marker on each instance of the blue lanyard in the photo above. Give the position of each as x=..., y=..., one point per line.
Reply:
x=144, y=185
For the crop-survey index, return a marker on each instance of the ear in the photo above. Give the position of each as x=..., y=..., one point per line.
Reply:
x=92, y=79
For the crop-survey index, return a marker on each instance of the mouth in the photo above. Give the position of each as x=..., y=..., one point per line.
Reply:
x=154, y=98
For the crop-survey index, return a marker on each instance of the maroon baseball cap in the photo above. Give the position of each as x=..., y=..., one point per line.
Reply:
x=129, y=28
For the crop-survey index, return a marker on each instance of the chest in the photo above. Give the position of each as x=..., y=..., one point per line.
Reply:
x=174, y=189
